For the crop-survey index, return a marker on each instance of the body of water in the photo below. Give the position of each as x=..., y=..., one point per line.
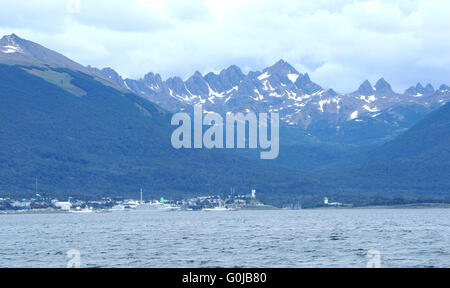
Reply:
x=305, y=238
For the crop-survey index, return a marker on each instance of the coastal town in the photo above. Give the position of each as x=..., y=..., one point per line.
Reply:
x=39, y=204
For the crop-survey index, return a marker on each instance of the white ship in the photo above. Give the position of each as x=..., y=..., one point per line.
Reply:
x=118, y=208
x=220, y=208
x=78, y=210
x=156, y=206
x=126, y=206
x=217, y=209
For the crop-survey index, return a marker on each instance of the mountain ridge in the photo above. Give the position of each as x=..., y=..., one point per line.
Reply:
x=299, y=101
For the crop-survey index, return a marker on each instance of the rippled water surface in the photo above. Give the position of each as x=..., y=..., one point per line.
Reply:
x=308, y=238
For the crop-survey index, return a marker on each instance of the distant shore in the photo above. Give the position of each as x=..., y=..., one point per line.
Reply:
x=402, y=206
x=20, y=212
x=260, y=208
x=270, y=208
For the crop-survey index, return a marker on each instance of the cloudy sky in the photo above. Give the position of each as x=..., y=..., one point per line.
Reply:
x=339, y=42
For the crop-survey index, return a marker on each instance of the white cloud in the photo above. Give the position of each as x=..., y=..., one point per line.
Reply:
x=340, y=43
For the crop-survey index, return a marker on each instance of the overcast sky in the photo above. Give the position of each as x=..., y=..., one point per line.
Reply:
x=339, y=42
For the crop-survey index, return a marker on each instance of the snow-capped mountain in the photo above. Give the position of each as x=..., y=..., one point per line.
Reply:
x=15, y=50
x=281, y=88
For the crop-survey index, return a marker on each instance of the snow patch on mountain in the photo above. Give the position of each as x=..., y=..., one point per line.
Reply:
x=9, y=49
x=213, y=93
x=293, y=77
x=372, y=110
x=264, y=76
x=368, y=99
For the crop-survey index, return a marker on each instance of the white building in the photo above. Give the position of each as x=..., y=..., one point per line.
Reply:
x=65, y=206
x=326, y=202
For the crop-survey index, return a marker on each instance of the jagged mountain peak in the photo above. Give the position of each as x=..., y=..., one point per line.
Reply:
x=306, y=77
x=197, y=85
x=226, y=79
x=282, y=64
x=444, y=87
x=305, y=84
x=232, y=69
x=13, y=44
x=415, y=90
x=152, y=77
x=233, y=74
x=366, y=88
x=109, y=70
x=383, y=86
x=281, y=71
x=419, y=90
x=108, y=74
x=281, y=68
x=175, y=78
x=11, y=38
x=331, y=92
x=382, y=82
x=429, y=89
x=302, y=80
x=15, y=47
x=197, y=74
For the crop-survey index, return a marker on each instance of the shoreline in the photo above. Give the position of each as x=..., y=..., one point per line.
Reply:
x=402, y=206
x=272, y=208
x=32, y=212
